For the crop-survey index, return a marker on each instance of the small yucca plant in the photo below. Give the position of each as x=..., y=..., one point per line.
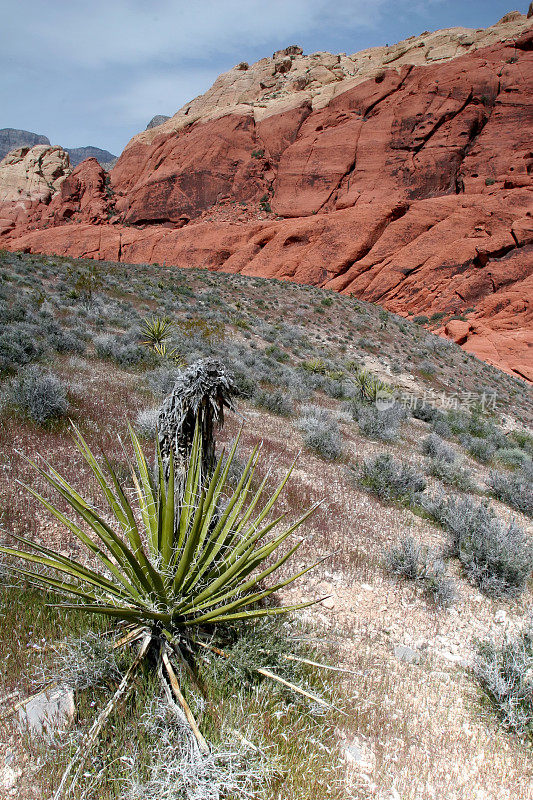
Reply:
x=369, y=387
x=363, y=381
x=156, y=331
x=170, y=564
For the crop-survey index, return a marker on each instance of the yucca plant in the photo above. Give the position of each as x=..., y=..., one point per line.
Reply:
x=169, y=353
x=156, y=330
x=363, y=381
x=169, y=566
x=369, y=387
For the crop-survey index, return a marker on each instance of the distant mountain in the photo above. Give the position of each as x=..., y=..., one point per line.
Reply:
x=79, y=154
x=11, y=139
x=157, y=120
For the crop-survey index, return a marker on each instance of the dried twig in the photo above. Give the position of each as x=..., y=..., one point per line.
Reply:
x=202, y=744
x=82, y=753
x=272, y=675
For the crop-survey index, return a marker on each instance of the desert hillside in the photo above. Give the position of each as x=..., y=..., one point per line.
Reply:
x=420, y=457
x=400, y=175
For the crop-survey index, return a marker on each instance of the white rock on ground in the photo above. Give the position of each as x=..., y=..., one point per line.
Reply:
x=48, y=711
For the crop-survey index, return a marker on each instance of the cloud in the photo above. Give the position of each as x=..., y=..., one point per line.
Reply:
x=155, y=92
x=95, y=73
x=130, y=32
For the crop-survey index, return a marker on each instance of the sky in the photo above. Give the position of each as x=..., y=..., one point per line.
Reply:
x=94, y=72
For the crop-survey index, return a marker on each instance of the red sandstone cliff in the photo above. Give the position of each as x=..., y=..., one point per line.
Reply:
x=402, y=176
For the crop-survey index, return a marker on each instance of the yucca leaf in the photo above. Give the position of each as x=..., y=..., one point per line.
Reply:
x=130, y=591
x=112, y=541
x=167, y=521
x=46, y=582
x=147, y=496
x=244, y=587
x=122, y=612
x=86, y=540
x=226, y=575
x=270, y=612
x=122, y=517
x=252, y=559
x=189, y=547
x=269, y=547
x=130, y=528
x=267, y=508
x=222, y=531
x=67, y=569
x=210, y=504
x=190, y=490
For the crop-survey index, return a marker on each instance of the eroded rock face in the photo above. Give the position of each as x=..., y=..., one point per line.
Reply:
x=82, y=196
x=33, y=173
x=263, y=89
x=407, y=183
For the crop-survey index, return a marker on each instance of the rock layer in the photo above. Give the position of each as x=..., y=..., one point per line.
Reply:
x=401, y=175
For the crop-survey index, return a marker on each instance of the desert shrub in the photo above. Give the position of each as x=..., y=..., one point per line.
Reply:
x=146, y=422
x=480, y=436
x=410, y=561
x=335, y=389
x=161, y=380
x=424, y=411
x=379, y=423
x=440, y=426
x=173, y=770
x=438, y=586
x=427, y=367
x=524, y=441
x=84, y=662
x=452, y=474
x=39, y=395
x=320, y=432
x=18, y=346
x=458, y=420
x=485, y=429
x=292, y=381
x=512, y=457
x=480, y=449
x=514, y=488
x=389, y=479
x=505, y=673
x=276, y=401
x=435, y=447
x=497, y=556
x=435, y=506
x=68, y=342
x=405, y=560
x=245, y=383
x=124, y=350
